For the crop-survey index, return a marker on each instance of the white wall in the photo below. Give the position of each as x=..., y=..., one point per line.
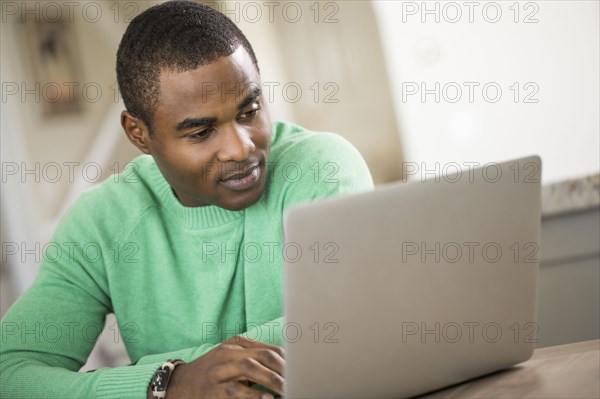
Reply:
x=558, y=54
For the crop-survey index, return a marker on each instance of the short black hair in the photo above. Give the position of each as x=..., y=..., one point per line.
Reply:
x=175, y=36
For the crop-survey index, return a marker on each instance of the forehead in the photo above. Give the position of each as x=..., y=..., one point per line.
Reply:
x=209, y=89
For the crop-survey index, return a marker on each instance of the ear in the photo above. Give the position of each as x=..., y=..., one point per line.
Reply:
x=136, y=130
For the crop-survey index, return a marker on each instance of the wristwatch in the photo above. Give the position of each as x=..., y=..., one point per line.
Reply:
x=160, y=380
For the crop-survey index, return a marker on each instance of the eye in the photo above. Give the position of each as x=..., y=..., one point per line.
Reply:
x=255, y=107
x=201, y=135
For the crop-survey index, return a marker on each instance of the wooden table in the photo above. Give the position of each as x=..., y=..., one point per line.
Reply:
x=564, y=371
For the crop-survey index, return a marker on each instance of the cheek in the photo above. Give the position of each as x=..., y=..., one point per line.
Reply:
x=262, y=133
x=180, y=162
x=184, y=154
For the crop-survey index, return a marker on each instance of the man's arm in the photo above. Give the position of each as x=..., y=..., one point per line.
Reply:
x=49, y=332
x=48, y=335
x=46, y=340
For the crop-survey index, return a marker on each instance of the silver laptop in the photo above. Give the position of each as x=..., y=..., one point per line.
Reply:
x=413, y=286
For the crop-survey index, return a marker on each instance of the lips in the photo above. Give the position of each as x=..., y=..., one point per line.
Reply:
x=244, y=180
x=240, y=174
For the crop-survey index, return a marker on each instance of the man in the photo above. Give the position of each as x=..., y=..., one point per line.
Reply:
x=189, y=243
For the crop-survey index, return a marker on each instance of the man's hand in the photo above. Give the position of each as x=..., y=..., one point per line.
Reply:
x=228, y=370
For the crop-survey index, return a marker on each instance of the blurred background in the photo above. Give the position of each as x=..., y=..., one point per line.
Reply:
x=418, y=87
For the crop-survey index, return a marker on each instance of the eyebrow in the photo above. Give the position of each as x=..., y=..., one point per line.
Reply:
x=189, y=123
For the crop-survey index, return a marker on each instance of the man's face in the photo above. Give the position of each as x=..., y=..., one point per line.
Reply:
x=212, y=133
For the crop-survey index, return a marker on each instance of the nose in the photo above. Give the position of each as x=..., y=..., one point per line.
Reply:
x=235, y=145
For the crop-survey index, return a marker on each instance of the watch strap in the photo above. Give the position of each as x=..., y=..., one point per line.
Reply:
x=160, y=380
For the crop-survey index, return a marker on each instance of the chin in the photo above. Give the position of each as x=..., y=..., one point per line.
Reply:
x=240, y=201
x=243, y=201
x=239, y=205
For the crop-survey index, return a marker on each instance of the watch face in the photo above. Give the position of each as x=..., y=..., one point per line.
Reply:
x=160, y=380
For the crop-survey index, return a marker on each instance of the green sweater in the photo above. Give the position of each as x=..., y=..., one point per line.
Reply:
x=180, y=280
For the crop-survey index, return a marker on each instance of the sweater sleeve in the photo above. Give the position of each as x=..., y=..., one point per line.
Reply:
x=269, y=333
x=49, y=332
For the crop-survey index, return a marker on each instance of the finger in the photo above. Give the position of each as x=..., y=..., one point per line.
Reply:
x=270, y=353
x=250, y=343
x=240, y=390
x=248, y=368
x=268, y=358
